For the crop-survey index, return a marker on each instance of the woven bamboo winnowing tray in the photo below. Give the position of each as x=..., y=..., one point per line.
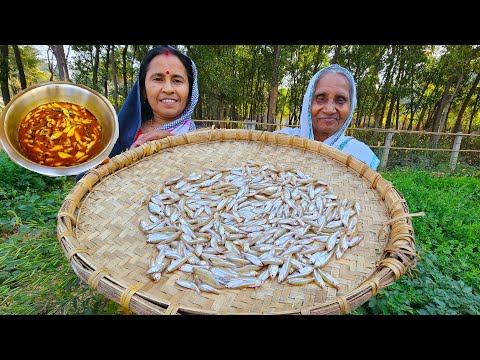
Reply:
x=98, y=226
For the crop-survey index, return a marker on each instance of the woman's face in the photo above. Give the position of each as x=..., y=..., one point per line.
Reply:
x=167, y=88
x=330, y=105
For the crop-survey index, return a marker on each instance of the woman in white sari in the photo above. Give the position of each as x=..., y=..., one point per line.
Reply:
x=327, y=111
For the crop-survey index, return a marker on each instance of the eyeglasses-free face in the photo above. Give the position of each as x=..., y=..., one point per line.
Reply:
x=330, y=105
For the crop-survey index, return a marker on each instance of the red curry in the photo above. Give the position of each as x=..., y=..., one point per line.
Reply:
x=60, y=134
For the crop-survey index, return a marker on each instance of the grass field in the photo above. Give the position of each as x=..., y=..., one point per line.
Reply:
x=35, y=277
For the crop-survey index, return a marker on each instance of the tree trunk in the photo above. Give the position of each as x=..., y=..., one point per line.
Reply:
x=474, y=111
x=438, y=115
x=410, y=124
x=132, y=73
x=337, y=54
x=397, y=114
x=234, y=113
x=51, y=67
x=124, y=71
x=255, y=97
x=115, y=82
x=420, y=118
x=384, y=92
x=95, y=67
x=360, y=112
x=4, y=74
x=105, y=75
x=21, y=71
x=431, y=116
x=221, y=114
x=252, y=80
x=59, y=53
x=388, y=121
x=272, y=98
x=399, y=84
x=198, y=113
x=317, y=62
x=458, y=123
x=443, y=123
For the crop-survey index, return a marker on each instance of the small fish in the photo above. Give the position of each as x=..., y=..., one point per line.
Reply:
x=235, y=227
x=300, y=280
x=187, y=284
x=208, y=288
x=172, y=180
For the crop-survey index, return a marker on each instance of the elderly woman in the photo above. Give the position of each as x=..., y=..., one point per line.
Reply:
x=327, y=111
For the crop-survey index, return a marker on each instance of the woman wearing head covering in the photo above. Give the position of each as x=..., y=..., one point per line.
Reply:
x=161, y=101
x=327, y=111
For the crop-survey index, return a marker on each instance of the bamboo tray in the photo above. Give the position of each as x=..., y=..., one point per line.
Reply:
x=98, y=226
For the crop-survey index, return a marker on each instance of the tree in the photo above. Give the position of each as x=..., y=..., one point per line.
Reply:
x=124, y=71
x=317, y=60
x=456, y=63
x=458, y=123
x=4, y=73
x=385, y=88
x=474, y=111
x=336, y=54
x=114, y=77
x=21, y=72
x=95, y=66
x=59, y=53
x=272, y=99
x=105, y=74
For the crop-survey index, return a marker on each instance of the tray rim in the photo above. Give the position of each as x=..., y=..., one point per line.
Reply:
x=399, y=256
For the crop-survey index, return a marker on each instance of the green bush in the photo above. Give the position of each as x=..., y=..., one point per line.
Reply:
x=34, y=276
x=445, y=280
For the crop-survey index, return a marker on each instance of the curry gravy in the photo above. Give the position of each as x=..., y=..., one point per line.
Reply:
x=60, y=134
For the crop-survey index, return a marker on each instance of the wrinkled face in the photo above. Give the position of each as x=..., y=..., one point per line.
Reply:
x=166, y=84
x=330, y=105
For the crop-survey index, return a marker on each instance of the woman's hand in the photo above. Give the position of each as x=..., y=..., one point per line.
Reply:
x=151, y=135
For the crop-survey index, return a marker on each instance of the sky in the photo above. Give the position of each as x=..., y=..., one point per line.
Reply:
x=43, y=49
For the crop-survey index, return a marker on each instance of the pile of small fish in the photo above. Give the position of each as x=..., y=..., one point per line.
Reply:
x=237, y=227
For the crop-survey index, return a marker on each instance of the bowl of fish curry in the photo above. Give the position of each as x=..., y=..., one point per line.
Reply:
x=58, y=128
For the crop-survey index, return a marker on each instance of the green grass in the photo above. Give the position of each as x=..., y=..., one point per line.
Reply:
x=35, y=277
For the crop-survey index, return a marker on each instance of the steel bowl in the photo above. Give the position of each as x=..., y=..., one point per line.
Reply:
x=36, y=95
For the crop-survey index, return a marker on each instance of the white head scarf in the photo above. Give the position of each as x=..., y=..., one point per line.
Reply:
x=306, y=128
x=338, y=140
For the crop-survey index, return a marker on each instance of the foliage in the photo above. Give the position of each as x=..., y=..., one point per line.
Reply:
x=34, y=276
x=34, y=68
x=423, y=159
x=235, y=80
x=445, y=280
x=427, y=291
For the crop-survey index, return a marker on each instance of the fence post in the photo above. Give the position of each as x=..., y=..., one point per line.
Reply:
x=386, y=150
x=455, y=150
